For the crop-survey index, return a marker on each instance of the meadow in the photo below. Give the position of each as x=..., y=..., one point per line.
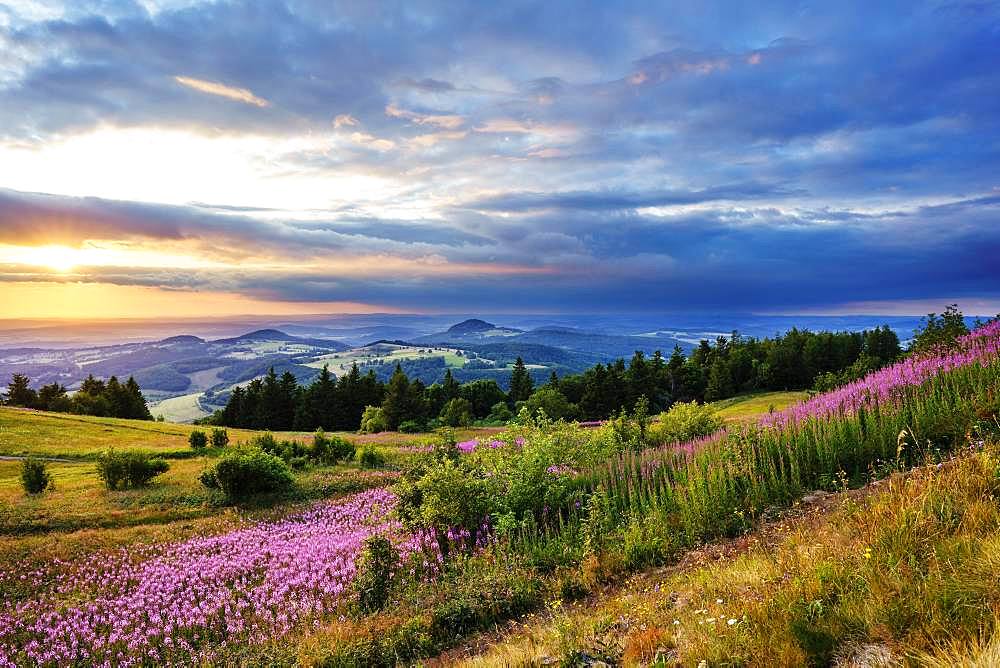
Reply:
x=487, y=526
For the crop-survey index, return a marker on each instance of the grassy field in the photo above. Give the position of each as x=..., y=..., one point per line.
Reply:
x=340, y=363
x=62, y=435
x=79, y=500
x=748, y=406
x=899, y=572
x=24, y=432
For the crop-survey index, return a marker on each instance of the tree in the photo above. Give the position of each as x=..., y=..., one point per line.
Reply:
x=396, y=406
x=373, y=420
x=456, y=413
x=53, y=397
x=521, y=384
x=939, y=332
x=552, y=402
x=19, y=392
x=319, y=402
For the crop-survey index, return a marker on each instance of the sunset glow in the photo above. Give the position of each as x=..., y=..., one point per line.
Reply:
x=471, y=160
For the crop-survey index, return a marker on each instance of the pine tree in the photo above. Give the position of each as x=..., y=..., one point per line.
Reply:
x=521, y=384
x=396, y=406
x=136, y=405
x=19, y=392
x=449, y=387
x=270, y=402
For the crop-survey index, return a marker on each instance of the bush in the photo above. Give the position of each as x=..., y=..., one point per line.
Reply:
x=247, y=472
x=456, y=413
x=373, y=420
x=411, y=427
x=34, y=478
x=330, y=449
x=198, y=440
x=683, y=422
x=376, y=569
x=370, y=458
x=129, y=469
x=220, y=438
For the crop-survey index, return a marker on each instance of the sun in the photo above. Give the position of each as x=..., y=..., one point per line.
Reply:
x=60, y=259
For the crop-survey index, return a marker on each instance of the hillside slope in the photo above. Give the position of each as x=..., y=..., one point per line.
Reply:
x=901, y=570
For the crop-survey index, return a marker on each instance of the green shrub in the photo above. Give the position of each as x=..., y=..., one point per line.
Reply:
x=330, y=449
x=370, y=458
x=129, y=469
x=198, y=440
x=683, y=422
x=456, y=413
x=373, y=420
x=376, y=569
x=220, y=438
x=411, y=427
x=34, y=478
x=249, y=471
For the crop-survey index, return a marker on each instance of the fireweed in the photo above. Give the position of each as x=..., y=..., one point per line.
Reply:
x=185, y=603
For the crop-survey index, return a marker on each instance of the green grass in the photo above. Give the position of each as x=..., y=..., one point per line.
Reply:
x=748, y=406
x=63, y=435
x=340, y=363
x=67, y=436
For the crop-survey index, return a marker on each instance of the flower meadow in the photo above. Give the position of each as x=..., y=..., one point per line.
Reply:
x=882, y=387
x=918, y=409
x=186, y=603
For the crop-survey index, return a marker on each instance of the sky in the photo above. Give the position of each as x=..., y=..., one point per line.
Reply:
x=182, y=158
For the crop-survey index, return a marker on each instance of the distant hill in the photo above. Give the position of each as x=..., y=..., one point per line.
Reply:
x=274, y=335
x=471, y=330
x=471, y=325
x=182, y=339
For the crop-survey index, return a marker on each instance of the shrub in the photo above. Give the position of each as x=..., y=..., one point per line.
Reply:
x=500, y=413
x=370, y=458
x=411, y=427
x=373, y=420
x=34, y=478
x=447, y=500
x=247, y=472
x=684, y=422
x=330, y=449
x=220, y=438
x=376, y=569
x=198, y=440
x=125, y=470
x=552, y=403
x=456, y=413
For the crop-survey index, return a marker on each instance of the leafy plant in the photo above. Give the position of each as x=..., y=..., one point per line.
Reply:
x=35, y=479
x=247, y=472
x=129, y=469
x=376, y=568
x=220, y=438
x=370, y=458
x=198, y=440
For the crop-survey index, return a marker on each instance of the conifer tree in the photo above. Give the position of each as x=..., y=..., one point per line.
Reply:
x=521, y=385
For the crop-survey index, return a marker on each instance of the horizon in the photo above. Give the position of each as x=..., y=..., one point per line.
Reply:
x=283, y=159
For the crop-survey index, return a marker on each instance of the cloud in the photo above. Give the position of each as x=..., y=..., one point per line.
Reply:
x=447, y=121
x=726, y=154
x=427, y=85
x=222, y=90
x=345, y=120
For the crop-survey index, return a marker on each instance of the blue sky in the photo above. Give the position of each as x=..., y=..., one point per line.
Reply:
x=473, y=157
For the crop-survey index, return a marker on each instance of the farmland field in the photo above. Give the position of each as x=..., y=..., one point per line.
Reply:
x=747, y=406
x=385, y=353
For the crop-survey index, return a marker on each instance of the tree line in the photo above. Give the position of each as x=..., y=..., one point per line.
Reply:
x=110, y=398
x=796, y=360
